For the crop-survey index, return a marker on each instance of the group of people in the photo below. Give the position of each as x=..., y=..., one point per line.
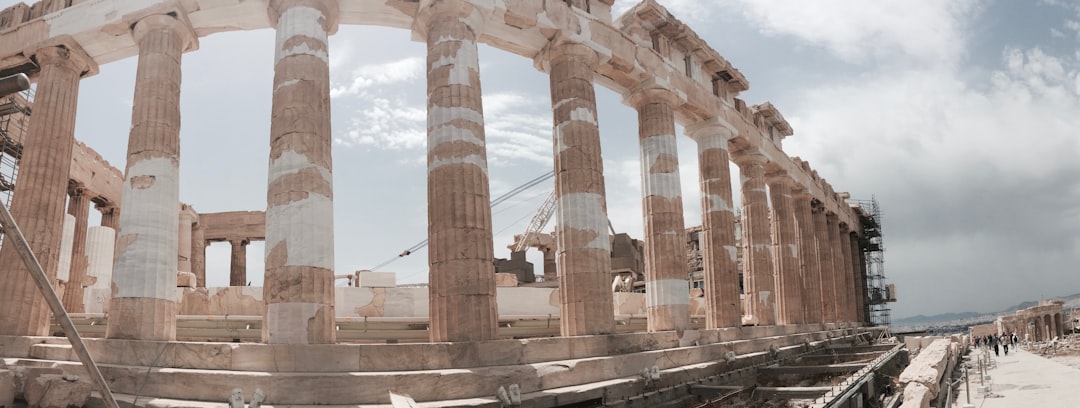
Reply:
x=998, y=342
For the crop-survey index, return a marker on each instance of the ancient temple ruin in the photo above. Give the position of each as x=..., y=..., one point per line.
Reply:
x=139, y=278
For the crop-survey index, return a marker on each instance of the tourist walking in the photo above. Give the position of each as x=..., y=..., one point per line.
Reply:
x=994, y=342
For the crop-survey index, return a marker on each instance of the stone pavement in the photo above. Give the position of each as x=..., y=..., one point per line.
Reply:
x=1023, y=379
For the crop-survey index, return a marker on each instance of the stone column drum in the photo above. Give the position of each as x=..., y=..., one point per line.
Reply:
x=808, y=258
x=846, y=272
x=79, y=207
x=581, y=231
x=719, y=253
x=789, y=300
x=144, y=277
x=836, y=266
x=667, y=290
x=100, y=247
x=198, y=254
x=38, y=202
x=757, y=262
x=461, y=275
x=110, y=217
x=825, y=260
x=63, y=265
x=185, y=221
x=238, y=262
x=299, y=281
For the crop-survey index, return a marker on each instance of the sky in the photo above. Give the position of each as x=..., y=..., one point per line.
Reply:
x=958, y=116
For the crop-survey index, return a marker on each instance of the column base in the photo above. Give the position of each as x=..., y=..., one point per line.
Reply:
x=142, y=319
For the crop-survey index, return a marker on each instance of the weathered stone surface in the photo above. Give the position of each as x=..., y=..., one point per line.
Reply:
x=7, y=388
x=928, y=367
x=56, y=391
x=185, y=280
x=916, y=396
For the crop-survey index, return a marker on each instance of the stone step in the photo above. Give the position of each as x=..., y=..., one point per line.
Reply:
x=391, y=357
x=679, y=365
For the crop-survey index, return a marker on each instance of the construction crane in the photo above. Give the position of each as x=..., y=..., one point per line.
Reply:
x=538, y=222
x=498, y=200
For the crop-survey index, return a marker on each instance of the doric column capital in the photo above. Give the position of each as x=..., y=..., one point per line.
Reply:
x=561, y=47
x=748, y=157
x=239, y=241
x=65, y=51
x=167, y=22
x=801, y=193
x=331, y=12
x=189, y=214
x=779, y=176
x=653, y=90
x=432, y=11
x=77, y=189
x=711, y=130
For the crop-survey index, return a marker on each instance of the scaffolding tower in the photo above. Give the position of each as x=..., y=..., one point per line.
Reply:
x=878, y=292
x=14, y=120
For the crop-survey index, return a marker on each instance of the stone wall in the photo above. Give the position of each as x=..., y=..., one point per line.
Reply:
x=922, y=378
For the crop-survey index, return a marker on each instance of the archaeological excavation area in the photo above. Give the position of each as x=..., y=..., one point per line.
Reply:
x=776, y=303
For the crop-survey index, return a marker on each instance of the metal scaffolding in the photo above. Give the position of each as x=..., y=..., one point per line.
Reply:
x=14, y=119
x=878, y=293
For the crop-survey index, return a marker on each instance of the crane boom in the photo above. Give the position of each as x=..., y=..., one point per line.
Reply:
x=538, y=222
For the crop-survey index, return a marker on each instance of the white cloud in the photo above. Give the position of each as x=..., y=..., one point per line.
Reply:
x=857, y=31
x=366, y=76
x=390, y=124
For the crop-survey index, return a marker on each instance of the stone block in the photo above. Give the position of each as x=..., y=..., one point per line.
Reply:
x=376, y=279
x=56, y=391
x=928, y=367
x=185, y=280
x=7, y=388
x=916, y=396
x=25, y=375
x=506, y=280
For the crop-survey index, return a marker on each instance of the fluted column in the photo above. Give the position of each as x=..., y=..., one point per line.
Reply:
x=461, y=279
x=581, y=230
x=846, y=274
x=718, y=251
x=299, y=281
x=110, y=216
x=809, y=266
x=760, y=280
x=789, y=300
x=144, y=277
x=825, y=261
x=836, y=266
x=38, y=202
x=198, y=254
x=185, y=221
x=79, y=207
x=238, y=262
x=859, y=274
x=667, y=289
x=63, y=265
x=100, y=247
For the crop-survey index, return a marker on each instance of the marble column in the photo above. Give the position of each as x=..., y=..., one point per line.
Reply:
x=63, y=265
x=238, y=262
x=667, y=289
x=825, y=261
x=38, y=202
x=461, y=277
x=100, y=248
x=809, y=267
x=299, y=281
x=836, y=266
x=198, y=254
x=143, y=306
x=859, y=273
x=718, y=251
x=847, y=276
x=760, y=280
x=551, y=271
x=110, y=216
x=581, y=230
x=789, y=302
x=183, y=247
x=79, y=207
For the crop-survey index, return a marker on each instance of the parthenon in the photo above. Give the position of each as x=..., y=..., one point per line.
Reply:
x=143, y=269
